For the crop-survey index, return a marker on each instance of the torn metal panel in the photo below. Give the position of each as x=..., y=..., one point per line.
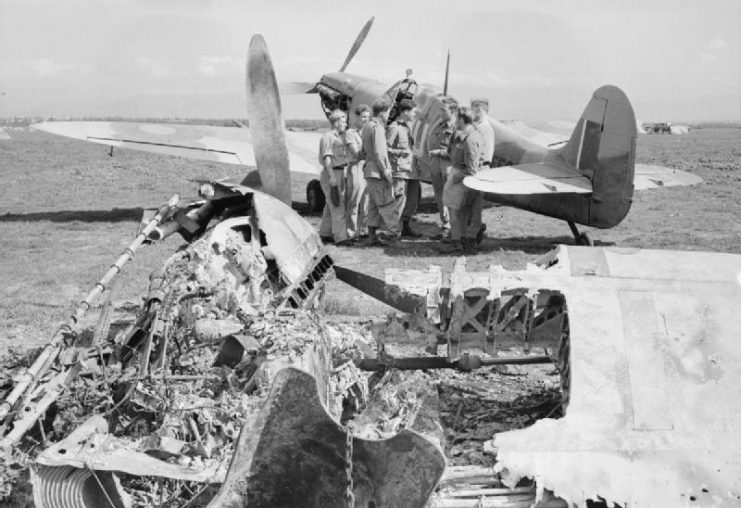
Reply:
x=294, y=454
x=655, y=361
x=90, y=446
x=293, y=241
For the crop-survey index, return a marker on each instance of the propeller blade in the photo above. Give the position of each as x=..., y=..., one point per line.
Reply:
x=447, y=73
x=358, y=42
x=266, y=122
x=391, y=295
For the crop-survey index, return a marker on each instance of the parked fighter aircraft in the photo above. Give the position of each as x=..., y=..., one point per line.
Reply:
x=588, y=179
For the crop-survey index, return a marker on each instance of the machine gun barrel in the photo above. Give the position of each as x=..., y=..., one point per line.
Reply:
x=52, y=350
x=465, y=363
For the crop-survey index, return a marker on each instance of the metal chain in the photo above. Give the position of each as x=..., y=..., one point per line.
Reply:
x=350, y=490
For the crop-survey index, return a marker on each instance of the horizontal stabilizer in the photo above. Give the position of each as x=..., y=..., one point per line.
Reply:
x=231, y=145
x=650, y=177
x=540, y=178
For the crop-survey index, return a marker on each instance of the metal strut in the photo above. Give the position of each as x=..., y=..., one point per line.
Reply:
x=57, y=342
x=580, y=238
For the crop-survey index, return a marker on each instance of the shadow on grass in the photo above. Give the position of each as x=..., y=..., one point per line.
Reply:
x=115, y=215
x=528, y=244
x=428, y=205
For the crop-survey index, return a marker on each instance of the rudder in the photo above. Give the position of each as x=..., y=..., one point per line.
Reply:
x=602, y=148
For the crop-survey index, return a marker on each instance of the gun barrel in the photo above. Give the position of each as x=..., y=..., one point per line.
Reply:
x=52, y=350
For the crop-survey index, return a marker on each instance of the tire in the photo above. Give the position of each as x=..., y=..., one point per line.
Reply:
x=315, y=196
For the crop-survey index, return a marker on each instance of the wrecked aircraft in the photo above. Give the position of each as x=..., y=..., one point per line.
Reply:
x=596, y=374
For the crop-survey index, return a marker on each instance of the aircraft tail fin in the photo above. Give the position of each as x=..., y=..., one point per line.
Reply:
x=602, y=148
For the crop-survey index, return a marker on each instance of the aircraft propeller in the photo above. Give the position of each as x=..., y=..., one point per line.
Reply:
x=266, y=123
x=358, y=42
x=271, y=156
x=293, y=87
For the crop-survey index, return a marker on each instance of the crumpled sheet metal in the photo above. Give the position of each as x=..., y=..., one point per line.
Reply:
x=90, y=446
x=293, y=241
x=654, y=417
x=70, y=487
x=294, y=454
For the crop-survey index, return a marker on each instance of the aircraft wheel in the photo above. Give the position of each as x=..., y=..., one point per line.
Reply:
x=315, y=196
x=586, y=239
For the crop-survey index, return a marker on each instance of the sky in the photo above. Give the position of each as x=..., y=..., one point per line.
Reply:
x=677, y=60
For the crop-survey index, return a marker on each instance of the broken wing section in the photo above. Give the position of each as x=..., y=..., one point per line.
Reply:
x=653, y=417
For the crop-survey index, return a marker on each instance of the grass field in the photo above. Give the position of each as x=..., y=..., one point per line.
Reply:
x=68, y=210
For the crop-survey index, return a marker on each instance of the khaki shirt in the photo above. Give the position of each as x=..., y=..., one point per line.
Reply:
x=487, y=140
x=399, y=139
x=465, y=151
x=353, y=144
x=333, y=145
x=374, y=150
x=440, y=137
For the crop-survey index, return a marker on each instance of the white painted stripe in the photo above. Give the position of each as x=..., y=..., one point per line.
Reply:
x=651, y=409
x=581, y=142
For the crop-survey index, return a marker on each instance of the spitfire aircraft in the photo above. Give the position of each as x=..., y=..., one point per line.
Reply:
x=587, y=179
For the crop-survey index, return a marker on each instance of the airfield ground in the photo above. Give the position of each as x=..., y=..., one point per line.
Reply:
x=68, y=210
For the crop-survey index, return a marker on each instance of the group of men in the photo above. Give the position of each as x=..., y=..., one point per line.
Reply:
x=371, y=179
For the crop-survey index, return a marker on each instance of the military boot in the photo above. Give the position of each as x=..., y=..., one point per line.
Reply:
x=407, y=231
x=454, y=247
x=469, y=245
x=480, y=234
x=372, y=237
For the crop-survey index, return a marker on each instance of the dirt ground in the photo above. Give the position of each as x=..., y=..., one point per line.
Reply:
x=68, y=210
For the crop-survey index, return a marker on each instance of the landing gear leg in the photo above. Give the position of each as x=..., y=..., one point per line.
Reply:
x=581, y=238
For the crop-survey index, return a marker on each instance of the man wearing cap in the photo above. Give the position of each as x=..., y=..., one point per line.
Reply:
x=333, y=158
x=356, y=206
x=439, y=143
x=378, y=176
x=465, y=204
x=399, y=140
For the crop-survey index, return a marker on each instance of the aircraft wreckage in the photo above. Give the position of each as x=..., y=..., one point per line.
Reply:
x=594, y=375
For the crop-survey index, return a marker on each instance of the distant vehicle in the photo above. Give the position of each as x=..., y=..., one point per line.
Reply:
x=657, y=128
x=665, y=128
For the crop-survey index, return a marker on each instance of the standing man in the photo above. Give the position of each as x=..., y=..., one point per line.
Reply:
x=356, y=206
x=465, y=204
x=480, y=107
x=333, y=158
x=378, y=177
x=399, y=139
x=439, y=143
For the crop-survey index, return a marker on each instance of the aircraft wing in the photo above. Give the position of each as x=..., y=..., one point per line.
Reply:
x=539, y=178
x=231, y=145
x=650, y=177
